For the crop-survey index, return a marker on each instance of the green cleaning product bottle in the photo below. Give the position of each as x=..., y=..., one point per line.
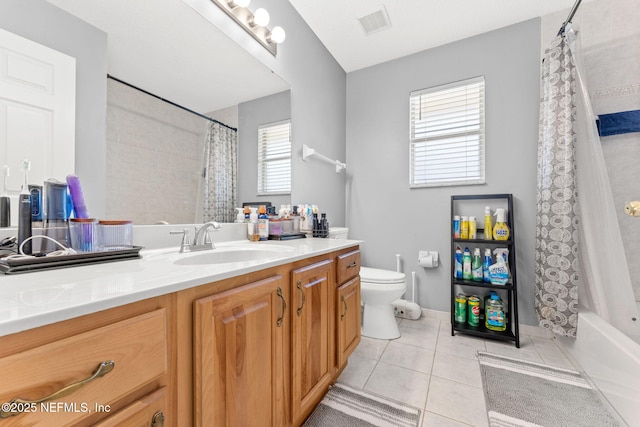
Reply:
x=476, y=266
x=488, y=229
x=494, y=314
x=500, y=230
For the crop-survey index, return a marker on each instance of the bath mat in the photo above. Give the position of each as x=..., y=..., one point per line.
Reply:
x=345, y=406
x=521, y=393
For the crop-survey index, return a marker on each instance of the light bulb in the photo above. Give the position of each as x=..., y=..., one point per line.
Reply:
x=261, y=17
x=277, y=35
x=238, y=3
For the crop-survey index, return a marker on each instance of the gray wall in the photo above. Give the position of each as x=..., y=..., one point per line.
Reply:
x=251, y=114
x=318, y=109
x=390, y=217
x=41, y=22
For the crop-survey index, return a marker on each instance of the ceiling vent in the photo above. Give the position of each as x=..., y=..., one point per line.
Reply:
x=375, y=21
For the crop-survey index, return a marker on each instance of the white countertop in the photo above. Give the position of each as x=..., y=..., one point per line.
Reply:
x=35, y=299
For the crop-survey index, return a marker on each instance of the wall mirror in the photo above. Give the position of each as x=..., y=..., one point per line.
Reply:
x=166, y=48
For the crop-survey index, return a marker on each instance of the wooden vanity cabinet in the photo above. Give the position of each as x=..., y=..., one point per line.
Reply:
x=313, y=336
x=89, y=370
x=239, y=355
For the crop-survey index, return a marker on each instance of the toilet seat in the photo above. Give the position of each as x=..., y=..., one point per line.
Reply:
x=382, y=277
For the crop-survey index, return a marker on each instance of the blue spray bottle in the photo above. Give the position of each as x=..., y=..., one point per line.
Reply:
x=486, y=263
x=458, y=263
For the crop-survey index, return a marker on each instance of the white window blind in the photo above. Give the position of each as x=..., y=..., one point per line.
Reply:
x=274, y=158
x=447, y=134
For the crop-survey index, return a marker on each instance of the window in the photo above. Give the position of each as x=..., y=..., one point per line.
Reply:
x=274, y=158
x=447, y=134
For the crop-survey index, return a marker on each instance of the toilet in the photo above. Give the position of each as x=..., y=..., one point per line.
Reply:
x=378, y=290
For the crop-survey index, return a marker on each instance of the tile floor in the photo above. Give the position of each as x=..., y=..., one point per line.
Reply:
x=428, y=368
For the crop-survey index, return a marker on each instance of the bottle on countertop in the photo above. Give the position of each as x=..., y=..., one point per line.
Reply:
x=488, y=228
x=476, y=266
x=295, y=217
x=500, y=230
x=324, y=226
x=263, y=223
x=466, y=265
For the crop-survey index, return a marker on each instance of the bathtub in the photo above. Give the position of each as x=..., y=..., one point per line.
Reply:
x=611, y=360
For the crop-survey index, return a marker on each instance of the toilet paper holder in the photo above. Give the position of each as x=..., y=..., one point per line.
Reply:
x=428, y=259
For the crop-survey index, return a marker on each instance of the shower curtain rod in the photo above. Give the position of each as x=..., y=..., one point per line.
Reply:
x=109, y=76
x=573, y=11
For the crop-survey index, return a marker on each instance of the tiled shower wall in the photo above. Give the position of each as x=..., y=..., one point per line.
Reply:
x=610, y=38
x=154, y=159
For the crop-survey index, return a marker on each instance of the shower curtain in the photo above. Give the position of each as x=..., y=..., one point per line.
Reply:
x=579, y=251
x=220, y=174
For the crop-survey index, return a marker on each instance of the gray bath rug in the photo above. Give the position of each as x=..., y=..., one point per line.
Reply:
x=520, y=393
x=347, y=407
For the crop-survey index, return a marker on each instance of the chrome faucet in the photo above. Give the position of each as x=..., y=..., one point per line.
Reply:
x=201, y=241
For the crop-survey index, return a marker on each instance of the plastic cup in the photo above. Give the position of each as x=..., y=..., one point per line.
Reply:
x=115, y=235
x=83, y=234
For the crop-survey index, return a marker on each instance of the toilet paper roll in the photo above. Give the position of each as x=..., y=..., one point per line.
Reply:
x=428, y=259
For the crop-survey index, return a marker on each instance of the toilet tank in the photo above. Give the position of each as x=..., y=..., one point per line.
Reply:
x=338, y=233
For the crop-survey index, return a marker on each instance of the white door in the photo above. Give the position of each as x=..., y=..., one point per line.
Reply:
x=37, y=112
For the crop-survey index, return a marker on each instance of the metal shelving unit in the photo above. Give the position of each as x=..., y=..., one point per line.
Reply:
x=511, y=302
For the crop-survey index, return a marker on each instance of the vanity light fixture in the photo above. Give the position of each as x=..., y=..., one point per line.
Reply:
x=254, y=23
x=260, y=18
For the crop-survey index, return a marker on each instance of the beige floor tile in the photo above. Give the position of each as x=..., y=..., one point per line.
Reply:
x=357, y=371
x=456, y=368
x=371, y=348
x=422, y=323
x=419, y=337
x=459, y=345
x=458, y=401
x=408, y=356
x=399, y=383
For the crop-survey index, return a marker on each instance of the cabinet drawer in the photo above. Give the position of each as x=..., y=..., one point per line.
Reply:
x=67, y=371
x=348, y=266
x=150, y=411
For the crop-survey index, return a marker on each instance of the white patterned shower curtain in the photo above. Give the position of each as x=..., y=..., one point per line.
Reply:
x=579, y=251
x=221, y=174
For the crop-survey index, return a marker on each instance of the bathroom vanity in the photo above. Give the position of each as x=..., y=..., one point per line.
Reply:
x=181, y=339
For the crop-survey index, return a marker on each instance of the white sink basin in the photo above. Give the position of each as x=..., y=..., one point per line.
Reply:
x=233, y=254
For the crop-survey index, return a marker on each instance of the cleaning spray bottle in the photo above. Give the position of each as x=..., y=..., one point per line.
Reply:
x=458, y=263
x=488, y=230
x=500, y=230
x=5, y=201
x=486, y=263
x=24, y=211
x=466, y=265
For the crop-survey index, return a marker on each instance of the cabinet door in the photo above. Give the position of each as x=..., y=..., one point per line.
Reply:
x=348, y=319
x=238, y=352
x=313, y=335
